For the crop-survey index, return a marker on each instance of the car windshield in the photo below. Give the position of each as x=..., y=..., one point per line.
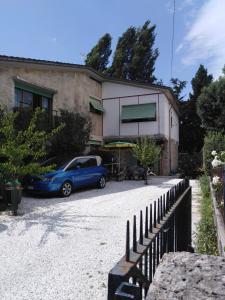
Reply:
x=59, y=162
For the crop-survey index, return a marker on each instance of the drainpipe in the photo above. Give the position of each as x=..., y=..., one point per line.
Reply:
x=169, y=145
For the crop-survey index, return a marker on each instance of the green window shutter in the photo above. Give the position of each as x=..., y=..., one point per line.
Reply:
x=138, y=112
x=33, y=89
x=96, y=105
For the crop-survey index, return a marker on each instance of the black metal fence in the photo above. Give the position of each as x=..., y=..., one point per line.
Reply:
x=166, y=227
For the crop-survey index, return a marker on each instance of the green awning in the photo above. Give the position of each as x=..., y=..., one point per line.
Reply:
x=138, y=112
x=35, y=89
x=96, y=105
x=95, y=142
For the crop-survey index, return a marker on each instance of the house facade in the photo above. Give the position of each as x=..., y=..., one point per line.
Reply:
x=120, y=110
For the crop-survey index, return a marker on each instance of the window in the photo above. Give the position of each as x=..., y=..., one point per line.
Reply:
x=86, y=162
x=138, y=113
x=28, y=100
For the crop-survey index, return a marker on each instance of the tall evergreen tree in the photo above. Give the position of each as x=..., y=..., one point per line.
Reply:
x=191, y=131
x=121, y=64
x=144, y=54
x=98, y=57
x=177, y=87
x=135, y=56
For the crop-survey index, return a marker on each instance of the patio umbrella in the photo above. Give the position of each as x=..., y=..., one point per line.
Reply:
x=119, y=145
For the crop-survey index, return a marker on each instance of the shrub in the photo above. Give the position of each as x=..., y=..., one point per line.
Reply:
x=206, y=236
x=147, y=152
x=213, y=141
x=20, y=151
x=190, y=165
x=73, y=138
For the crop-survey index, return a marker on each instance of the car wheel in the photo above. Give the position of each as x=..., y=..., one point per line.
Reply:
x=66, y=189
x=102, y=182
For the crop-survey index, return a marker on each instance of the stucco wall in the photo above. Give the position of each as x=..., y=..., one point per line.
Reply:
x=119, y=94
x=73, y=89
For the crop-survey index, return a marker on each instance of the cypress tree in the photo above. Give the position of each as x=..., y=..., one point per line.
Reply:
x=191, y=130
x=121, y=64
x=144, y=54
x=98, y=57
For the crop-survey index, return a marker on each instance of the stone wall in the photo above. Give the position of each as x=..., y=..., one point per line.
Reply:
x=189, y=276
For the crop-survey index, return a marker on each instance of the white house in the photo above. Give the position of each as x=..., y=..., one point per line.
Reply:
x=132, y=110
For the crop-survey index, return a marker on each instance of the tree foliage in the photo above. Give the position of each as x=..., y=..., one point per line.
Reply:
x=147, y=152
x=211, y=103
x=121, y=63
x=177, y=87
x=75, y=135
x=144, y=54
x=134, y=57
x=20, y=151
x=98, y=57
x=191, y=130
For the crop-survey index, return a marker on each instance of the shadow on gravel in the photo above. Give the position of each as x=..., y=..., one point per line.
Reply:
x=3, y=227
x=60, y=223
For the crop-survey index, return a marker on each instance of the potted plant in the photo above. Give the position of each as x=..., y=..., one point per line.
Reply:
x=20, y=153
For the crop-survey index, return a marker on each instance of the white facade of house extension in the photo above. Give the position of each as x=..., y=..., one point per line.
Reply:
x=117, y=96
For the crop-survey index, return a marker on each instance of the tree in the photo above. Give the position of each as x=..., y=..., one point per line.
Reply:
x=98, y=57
x=177, y=87
x=210, y=105
x=191, y=131
x=75, y=135
x=135, y=56
x=144, y=54
x=121, y=63
x=147, y=152
x=20, y=151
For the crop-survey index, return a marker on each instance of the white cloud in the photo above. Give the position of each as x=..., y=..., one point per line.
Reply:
x=186, y=3
x=205, y=40
x=179, y=48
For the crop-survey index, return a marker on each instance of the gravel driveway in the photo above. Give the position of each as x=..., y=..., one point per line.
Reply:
x=63, y=249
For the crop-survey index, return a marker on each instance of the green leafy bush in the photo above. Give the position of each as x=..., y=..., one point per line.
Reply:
x=206, y=236
x=147, y=152
x=21, y=150
x=213, y=141
x=75, y=135
x=190, y=165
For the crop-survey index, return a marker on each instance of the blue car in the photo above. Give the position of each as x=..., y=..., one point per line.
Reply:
x=69, y=174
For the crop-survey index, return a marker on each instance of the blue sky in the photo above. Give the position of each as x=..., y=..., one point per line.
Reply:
x=67, y=30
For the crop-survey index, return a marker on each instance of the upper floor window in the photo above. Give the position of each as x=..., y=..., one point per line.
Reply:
x=138, y=112
x=25, y=100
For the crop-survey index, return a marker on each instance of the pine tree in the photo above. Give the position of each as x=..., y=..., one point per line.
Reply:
x=121, y=64
x=191, y=131
x=144, y=54
x=98, y=57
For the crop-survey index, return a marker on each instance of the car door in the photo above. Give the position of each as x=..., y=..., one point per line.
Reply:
x=76, y=173
x=92, y=171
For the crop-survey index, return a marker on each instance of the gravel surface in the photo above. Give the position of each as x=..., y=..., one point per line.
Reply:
x=63, y=249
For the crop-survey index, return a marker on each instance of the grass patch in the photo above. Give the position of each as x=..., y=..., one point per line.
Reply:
x=206, y=231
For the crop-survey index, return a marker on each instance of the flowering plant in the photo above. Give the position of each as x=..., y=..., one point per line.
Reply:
x=219, y=159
